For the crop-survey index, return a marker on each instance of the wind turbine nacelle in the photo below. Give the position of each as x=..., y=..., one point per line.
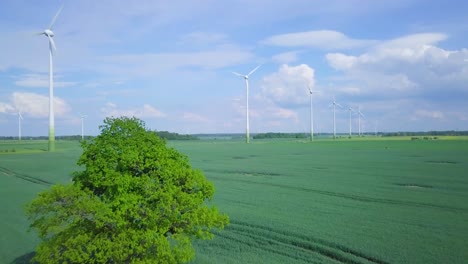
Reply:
x=48, y=33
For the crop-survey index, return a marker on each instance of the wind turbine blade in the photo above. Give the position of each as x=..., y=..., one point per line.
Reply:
x=55, y=18
x=52, y=44
x=20, y=115
x=238, y=74
x=252, y=71
x=339, y=105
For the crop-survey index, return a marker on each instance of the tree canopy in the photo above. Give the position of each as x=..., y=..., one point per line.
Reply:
x=135, y=201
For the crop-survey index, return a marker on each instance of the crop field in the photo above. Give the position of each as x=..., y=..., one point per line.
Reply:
x=345, y=201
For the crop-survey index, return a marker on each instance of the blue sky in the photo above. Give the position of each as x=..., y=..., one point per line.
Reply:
x=169, y=63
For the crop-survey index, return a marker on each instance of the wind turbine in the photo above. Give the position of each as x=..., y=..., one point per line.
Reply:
x=246, y=78
x=311, y=114
x=20, y=117
x=50, y=34
x=334, y=104
x=82, y=117
x=359, y=118
x=375, y=128
x=351, y=111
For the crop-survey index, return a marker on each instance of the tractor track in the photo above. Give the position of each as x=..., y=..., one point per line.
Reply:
x=295, y=246
x=354, y=197
x=25, y=177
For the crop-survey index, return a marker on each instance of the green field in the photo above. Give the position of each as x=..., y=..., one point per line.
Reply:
x=344, y=201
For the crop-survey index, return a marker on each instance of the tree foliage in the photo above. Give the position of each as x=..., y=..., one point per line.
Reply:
x=136, y=201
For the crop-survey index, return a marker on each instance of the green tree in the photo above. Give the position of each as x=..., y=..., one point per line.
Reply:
x=136, y=201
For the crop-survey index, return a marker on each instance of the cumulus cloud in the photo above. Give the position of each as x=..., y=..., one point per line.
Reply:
x=324, y=39
x=389, y=55
x=6, y=108
x=34, y=105
x=288, y=86
x=145, y=111
x=411, y=63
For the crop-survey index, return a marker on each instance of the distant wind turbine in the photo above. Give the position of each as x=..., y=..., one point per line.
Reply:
x=50, y=34
x=20, y=117
x=311, y=114
x=82, y=117
x=351, y=111
x=375, y=128
x=334, y=104
x=359, y=118
x=246, y=78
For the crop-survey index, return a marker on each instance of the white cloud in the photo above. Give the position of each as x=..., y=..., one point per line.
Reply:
x=192, y=117
x=413, y=41
x=341, y=61
x=286, y=57
x=201, y=38
x=421, y=113
x=36, y=105
x=288, y=86
x=324, y=39
x=410, y=64
x=40, y=80
x=285, y=114
x=6, y=108
x=149, y=111
x=410, y=49
x=151, y=63
x=146, y=111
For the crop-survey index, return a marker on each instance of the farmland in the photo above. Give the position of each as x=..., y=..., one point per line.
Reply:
x=347, y=201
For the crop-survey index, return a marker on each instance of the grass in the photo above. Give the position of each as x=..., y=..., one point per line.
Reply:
x=343, y=201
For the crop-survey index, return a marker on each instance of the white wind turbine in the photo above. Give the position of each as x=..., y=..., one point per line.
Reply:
x=375, y=128
x=20, y=117
x=311, y=113
x=351, y=111
x=246, y=78
x=82, y=117
x=359, y=118
x=50, y=34
x=334, y=104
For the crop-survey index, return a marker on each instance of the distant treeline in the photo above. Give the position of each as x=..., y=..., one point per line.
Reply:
x=163, y=134
x=427, y=133
x=174, y=136
x=279, y=135
x=72, y=137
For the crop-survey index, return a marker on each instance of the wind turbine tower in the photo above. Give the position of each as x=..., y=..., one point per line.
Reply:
x=246, y=78
x=334, y=104
x=20, y=117
x=375, y=128
x=359, y=118
x=82, y=117
x=50, y=34
x=311, y=92
x=351, y=111
x=311, y=115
